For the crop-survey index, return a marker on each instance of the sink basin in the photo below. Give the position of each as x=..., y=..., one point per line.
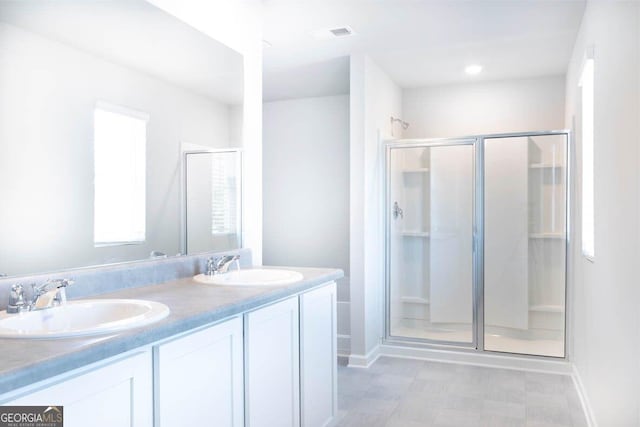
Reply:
x=251, y=277
x=82, y=318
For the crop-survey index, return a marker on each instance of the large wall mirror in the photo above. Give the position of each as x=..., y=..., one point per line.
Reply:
x=98, y=102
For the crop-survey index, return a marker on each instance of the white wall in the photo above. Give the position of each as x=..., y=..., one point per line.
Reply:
x=306, y=188
x=604, y=295
x=238, y=24
x=485, y=107
x=49, y=93
x=306, y=182
x=313, y=80
x=235, y=126
x=374, y=97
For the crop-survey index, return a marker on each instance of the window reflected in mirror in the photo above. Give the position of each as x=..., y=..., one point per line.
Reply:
x=119, y=145
x=213, y=200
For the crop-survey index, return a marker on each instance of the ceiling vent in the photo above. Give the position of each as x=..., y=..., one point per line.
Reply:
x=332, y=33
x=341, y=32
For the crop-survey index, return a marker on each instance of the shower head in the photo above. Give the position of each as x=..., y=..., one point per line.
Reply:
x=404, y=124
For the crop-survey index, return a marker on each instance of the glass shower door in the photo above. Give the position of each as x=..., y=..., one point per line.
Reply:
x=212, y=201
x=430, y=202
x=525, y=234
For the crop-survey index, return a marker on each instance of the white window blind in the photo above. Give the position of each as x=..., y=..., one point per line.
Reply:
x=224, y=195
x=120, y=175
x=588, y=210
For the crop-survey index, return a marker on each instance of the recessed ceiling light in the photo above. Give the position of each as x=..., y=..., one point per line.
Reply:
x=473, y=69
x=332, y=33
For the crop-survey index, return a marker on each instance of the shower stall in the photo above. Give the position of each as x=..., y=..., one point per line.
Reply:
x=476, y=242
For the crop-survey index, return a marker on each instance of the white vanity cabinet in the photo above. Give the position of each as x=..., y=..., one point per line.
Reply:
x=199, y=378
x=290, y=361
x=272, y=366
x=119, y=394
x=318, y=357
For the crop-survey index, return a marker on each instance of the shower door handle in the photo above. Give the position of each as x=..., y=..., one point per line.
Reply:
x=397, y=212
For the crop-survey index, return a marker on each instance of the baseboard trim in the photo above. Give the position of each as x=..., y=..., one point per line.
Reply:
x=584, y=399
x=359, y=361
x=479, y=359
x=344, y=345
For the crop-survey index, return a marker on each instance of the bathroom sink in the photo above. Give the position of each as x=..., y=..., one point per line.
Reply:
x=251, y=277
x=82, y=318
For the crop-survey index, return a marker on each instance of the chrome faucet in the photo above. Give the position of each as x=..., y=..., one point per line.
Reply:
x=49, y=294
x=17, y=303
x=221, y=265
x=211, y=267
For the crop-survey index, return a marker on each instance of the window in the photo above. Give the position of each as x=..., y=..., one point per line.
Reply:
x=120, y=168
x=588, y=231
x=224, y=193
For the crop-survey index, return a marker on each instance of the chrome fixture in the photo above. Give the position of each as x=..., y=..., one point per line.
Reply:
x=404, y=124
x=16, y=300
x=397, y=212
x=51, y=293
x=211, y=269
x=157, y=254
x=221, y=265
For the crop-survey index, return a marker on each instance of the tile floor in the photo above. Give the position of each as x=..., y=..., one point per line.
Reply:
x=411, y=393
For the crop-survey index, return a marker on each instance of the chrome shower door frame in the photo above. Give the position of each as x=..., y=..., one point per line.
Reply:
x=183, y=192
x=429, y=143
x=478, y=142
x=567, y=241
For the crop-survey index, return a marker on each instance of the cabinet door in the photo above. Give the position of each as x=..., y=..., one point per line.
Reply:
x=116, y=395
x=272, y=386
x=200, y=379
x=318, y=356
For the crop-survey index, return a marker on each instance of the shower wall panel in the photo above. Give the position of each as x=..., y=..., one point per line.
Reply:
x=506, y=236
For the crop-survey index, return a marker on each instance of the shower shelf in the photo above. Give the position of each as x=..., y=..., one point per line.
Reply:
x=414, y=300
x=416, y=170
x=558, y=236
x=414, y=233
x=548, y=308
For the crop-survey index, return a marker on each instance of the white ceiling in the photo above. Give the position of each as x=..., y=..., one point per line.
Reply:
x=138, y=35
x=425, y=42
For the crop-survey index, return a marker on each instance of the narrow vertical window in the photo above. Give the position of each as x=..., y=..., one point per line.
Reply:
x=588, y=230
x=120, y=171
x=224, y=194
